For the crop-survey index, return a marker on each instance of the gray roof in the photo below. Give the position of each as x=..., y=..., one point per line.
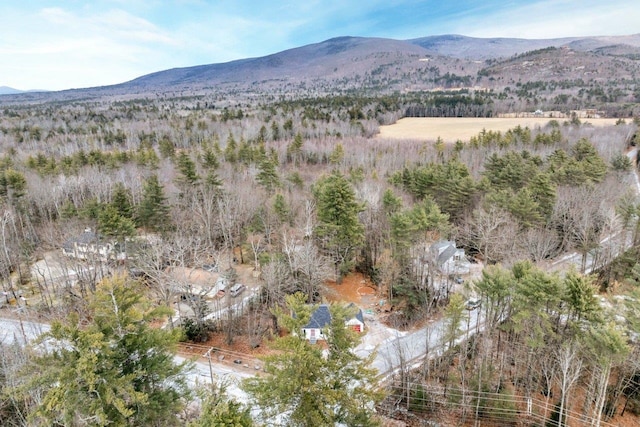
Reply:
x=358, y=315
x=442, y=244
x=446, y=254
x=87, y=237
x=321, y=318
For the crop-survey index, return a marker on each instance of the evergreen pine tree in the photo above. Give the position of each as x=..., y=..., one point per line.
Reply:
x=115, y=226
x=230, y=151
x=339, y=229
x=281, y=209
x=153, y=211
x=294, y=149
x=209, y=158
x=187, y=169
x=111, y=368
x=121, y=201
x=268, y=175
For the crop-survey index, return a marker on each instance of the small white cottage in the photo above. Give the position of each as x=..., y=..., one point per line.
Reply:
x=321, y=319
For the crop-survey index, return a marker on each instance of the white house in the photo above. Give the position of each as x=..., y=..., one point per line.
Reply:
x=449, y=259
x=89, y=245
x=321, y=319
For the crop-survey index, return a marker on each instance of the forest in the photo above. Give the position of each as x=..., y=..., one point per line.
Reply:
x=300, y=192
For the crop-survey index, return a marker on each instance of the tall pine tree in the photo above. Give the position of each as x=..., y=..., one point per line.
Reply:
x=110, y=368
x=339, y=230
x=153, y=211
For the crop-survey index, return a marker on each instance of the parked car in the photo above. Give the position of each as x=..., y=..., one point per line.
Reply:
x=211, y=268
x=472, y=304
x=459, y=280
x=236, y=289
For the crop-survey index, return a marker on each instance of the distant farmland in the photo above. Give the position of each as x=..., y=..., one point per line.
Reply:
x=450, y=129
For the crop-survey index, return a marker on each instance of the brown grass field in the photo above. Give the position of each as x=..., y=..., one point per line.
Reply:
x=450, y=129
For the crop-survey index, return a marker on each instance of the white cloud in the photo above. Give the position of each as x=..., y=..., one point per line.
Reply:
x=555, y=18
x=63, y=49
x=129, y=28
x=55, y=15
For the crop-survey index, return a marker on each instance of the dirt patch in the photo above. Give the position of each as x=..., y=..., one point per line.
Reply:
x=355, y=288
x=240, y=345
x=194, y=276
x=629, y=420
x=201, y=279
x=451, y=129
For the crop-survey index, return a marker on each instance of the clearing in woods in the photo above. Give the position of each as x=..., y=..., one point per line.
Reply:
x=355, y=288
x=451, y=129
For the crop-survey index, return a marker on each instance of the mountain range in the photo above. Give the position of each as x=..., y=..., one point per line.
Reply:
x=385, y=65
x=6, y=90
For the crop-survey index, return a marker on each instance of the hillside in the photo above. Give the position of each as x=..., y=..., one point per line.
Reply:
x=6, y=90
x=378, y=65
x=348, y=57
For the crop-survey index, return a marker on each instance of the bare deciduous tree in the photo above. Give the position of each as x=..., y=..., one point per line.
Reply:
x=538, y=244
x=568, y=372
x=308, y=267
x=490, y=232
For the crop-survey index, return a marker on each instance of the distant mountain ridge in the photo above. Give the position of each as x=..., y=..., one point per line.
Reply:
x=381, y=64
x=314, y=60
x=492, y=48
x=350, y=55
x=6, y=90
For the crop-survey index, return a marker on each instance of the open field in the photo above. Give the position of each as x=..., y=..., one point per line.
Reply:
x=450, y=129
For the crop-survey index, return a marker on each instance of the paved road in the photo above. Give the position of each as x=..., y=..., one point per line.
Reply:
x=20, y=331
x=409, y=349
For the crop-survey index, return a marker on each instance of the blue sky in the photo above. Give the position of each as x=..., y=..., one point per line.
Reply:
x=71, y=43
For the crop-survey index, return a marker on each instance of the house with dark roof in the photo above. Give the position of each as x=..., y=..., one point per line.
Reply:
x=321, y=320
x=90, y=245
x=448, y=259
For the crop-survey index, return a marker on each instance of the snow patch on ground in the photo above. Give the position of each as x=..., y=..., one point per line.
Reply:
x=376, y=333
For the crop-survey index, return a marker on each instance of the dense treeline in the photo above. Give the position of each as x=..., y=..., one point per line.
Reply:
x=199, y=160
x=549, y=351
x=477, y=105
